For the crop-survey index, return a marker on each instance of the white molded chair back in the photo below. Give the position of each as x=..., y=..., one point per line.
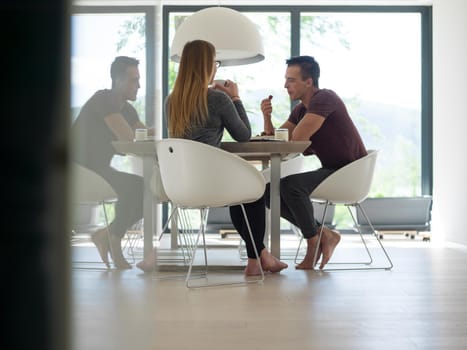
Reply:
x=350, y=184
x=196, y=175
x=157, y=187
x=199, y=176
x=160, y=196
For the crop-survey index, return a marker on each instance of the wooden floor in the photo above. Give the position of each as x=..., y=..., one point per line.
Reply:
x=420, y=304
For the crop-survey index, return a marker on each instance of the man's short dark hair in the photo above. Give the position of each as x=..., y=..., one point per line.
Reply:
x=308, y=66
x=120, y=65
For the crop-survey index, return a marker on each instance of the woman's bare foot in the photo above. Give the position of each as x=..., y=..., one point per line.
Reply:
x=101, y=240
x=329, y=241
x=117, y=254
x=252, y=268
x=270, y=263
x=149, y=263
x=309, y=261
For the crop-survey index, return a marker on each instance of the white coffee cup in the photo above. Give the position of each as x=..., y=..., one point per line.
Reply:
x=281, y=134
x=141, y=134
x=219, y=82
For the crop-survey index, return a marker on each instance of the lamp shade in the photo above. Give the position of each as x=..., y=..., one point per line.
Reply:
x=235, y=37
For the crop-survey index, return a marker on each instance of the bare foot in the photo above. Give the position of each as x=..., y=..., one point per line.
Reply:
x=252, y=268
x=117, y=254
x=101, y=240
x=309, y=261
x=270, y=263
x=329, y=241
x=148, y=264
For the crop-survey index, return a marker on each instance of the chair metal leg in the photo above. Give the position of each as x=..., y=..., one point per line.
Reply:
x=258, y=259
x=204, y=219
x=182, y=237
x=86, y=264
x=132, y=236
x=391, y=265
x=172, y=214
x=186, y=243
x=362, y=238
x=366, y=264
x=202, y=233
x=315, y=256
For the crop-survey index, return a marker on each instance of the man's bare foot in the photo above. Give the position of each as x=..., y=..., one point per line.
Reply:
x=309, y=261
x=101, y=240
x=148, y=264
x=329, y=241
x=270, y=263
x=117, y=254
x=252, y=268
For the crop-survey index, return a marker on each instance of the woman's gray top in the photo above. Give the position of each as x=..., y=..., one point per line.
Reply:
x=223, y=114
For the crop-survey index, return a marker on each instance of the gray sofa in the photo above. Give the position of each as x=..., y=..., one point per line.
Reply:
x=410, y=215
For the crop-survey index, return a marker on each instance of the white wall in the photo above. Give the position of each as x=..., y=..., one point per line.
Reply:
x=449, y=119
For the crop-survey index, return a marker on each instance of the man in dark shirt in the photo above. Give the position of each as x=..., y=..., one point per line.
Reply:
x=105, y=117
x=321, y=118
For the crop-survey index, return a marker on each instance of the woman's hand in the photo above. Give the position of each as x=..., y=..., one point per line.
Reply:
x=229, y=87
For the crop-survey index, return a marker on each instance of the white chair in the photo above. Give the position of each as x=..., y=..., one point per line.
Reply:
x=184, y=240
x=90, y=188
x=199, y=176
x=349, y=186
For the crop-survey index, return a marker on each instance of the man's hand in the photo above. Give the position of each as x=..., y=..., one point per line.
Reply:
x=266, y=107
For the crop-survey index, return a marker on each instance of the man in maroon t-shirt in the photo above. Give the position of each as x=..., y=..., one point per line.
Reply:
x=321, y=118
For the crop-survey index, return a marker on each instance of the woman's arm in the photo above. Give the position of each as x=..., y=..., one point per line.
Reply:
x=236, y=120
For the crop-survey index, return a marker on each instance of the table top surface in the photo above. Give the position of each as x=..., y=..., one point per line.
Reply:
x=281, y=147
x=256, y=149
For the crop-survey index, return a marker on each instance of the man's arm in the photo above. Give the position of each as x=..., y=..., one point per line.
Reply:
x=120, y=127
x=309, y=124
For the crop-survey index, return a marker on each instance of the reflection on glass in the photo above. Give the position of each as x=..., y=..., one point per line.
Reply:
x=96, y=40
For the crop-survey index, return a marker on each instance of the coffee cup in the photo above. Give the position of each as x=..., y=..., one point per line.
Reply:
x=219, y=82
x=281, y=134
x=141, y=134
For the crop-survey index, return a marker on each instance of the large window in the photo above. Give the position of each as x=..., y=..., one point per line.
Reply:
x=375, y=58
x=98, y=36
x=376, y=68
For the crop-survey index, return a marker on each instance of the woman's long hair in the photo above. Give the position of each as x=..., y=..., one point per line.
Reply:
x=188, y=102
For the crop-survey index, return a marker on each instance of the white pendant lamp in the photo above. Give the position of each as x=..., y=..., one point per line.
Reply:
x=235, y=37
